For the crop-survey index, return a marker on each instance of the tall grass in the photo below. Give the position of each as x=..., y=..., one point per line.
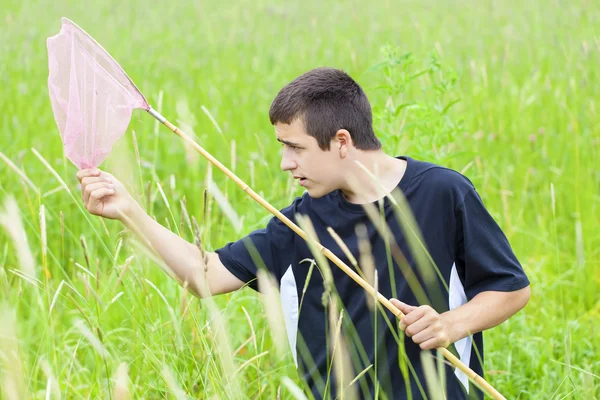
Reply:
x=505, y=92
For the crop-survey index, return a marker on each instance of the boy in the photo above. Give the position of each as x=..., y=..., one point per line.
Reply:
x=323, y=120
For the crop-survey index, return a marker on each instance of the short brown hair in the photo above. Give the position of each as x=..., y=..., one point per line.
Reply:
x=326, y=100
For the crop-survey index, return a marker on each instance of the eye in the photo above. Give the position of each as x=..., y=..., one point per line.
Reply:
x=295, y=148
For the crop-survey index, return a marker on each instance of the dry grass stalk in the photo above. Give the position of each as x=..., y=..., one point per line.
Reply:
x=121, y=378
x=322, y=263
x=342, y=365
x=435, y=389
x=366, y=260
x=19, y=172
x=225, y=205
x=174, y=387
x=92, y=339
x=251, y=327
x=272, y=304
x=12, y=384
x=52, y=386
x=10, y=219
x=44, y=240
x=344, y=248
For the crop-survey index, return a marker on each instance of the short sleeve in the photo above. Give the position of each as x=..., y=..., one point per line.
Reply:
x=270, y=247
x=485, y=260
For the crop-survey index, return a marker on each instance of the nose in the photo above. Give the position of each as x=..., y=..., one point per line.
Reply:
x=287, y=161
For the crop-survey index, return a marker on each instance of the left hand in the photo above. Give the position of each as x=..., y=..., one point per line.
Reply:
x=424, y=325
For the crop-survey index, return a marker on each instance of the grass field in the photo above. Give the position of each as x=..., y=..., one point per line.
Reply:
x=509, y=96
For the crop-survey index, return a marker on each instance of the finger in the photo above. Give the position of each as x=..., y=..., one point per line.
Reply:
x=89, y=184
x=95, y=204
x=405, y=308
x=82, y=173
x=88, y=180
x=87, y=172
x=431, y=344
x=107, y=176
x=411, y=318
x=89, y=189
x=425, y=335
x=420, y=325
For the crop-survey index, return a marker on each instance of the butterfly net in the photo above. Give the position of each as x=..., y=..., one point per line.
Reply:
x=92, y=97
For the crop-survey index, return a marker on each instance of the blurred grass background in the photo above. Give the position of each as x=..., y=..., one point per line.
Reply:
x=520, y=78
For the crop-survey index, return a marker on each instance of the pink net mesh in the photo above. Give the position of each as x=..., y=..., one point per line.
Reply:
x=92, y=97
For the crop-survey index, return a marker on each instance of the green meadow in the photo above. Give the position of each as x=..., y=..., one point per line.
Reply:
x=504, y=91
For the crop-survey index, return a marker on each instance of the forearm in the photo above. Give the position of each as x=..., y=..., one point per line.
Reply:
x=181, y=256
x=484, y=311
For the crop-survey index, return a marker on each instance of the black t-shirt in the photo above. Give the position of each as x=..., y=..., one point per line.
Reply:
x=468, y=254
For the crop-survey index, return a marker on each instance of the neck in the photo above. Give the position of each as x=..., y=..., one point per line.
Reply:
x=366, y=187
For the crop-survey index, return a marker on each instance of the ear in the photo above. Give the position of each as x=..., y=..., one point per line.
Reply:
x=343, y=142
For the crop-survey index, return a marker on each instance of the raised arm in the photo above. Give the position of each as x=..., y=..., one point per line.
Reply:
x=103, y=195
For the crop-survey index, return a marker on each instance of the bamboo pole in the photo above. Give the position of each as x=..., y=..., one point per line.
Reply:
x=477, y=379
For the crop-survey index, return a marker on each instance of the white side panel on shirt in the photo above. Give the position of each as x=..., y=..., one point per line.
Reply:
x=457, y=298
x=289, y=303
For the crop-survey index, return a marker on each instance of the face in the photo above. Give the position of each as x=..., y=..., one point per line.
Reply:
x=318, y=171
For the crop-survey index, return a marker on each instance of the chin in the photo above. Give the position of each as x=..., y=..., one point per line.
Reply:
x=315, y=194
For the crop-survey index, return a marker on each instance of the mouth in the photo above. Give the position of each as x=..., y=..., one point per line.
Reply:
x=302, y=180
